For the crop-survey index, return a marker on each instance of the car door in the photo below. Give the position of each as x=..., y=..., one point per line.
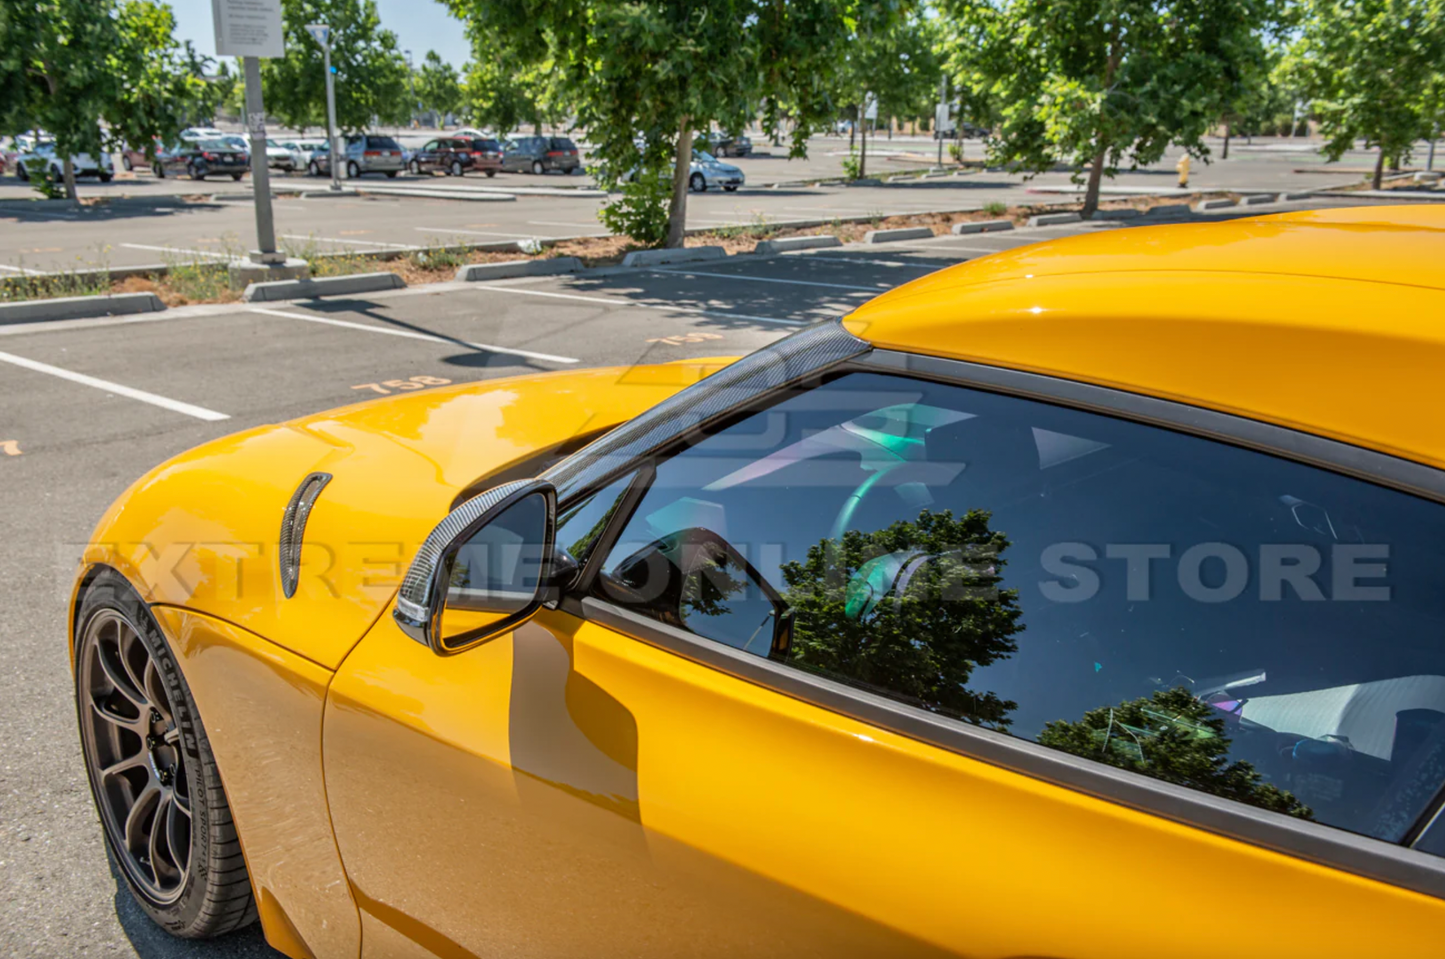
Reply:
x=881, y=667
x=426, y=158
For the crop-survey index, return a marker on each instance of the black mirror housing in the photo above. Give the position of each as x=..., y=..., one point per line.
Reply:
x=483, y=571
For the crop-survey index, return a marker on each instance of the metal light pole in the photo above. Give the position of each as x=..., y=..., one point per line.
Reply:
x=411, y=89
x=321, y=33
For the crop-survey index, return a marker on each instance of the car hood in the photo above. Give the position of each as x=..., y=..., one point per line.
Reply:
x=202, y=530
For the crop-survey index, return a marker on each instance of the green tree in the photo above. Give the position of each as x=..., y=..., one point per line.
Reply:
x=889, y=57
x=96, y=74
x=371, y=73
x=1097, y=83
x=438, y=87
x=1174, y=736
x=507, y=86
x=644, y=75
x=922, y=641
x=1364, y=65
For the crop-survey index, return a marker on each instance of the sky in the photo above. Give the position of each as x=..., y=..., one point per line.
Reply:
x=419, y=25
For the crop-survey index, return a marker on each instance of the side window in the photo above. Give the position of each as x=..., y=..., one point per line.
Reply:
x=579, y=524
x=1218, y=618
x=431, y=145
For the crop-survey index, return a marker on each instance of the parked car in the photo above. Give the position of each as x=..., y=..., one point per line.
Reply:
x=990, y=620
x=319, y=162
x=133, y=157
x=708, y=172
x=280, y=157
x=448, y=155
x=373, y=153
x=301, y=151
x=540, y=154
x=203, y=133
x=202, y=158
x=970, y=130
x=725, y=144
x=83, y=164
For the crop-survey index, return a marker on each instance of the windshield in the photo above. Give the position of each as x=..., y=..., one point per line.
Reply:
x=214, y=144
x=381, y=143
x=702, y=156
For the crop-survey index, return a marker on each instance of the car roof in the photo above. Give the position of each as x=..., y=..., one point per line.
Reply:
x=1328, y=321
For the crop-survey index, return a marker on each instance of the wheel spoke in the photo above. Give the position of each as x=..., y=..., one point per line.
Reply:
x=179, y=857
x=118, y=676
x=155, y=691
x=138, y=761
x=136, y=818
x=128, y=638
x=135, y=725
x=153, y=845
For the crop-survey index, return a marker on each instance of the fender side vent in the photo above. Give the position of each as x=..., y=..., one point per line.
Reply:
x=293, y=528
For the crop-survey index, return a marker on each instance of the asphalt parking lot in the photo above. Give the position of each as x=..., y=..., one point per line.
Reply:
x=215, y=222
x=87, y=406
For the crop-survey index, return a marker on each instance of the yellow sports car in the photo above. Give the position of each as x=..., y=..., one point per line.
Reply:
x=1085, y=600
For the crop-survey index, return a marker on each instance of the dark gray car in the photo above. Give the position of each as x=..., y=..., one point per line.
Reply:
x=540, y=154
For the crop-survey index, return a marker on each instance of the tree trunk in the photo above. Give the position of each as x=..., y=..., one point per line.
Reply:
x=863, y=152
x=682, y=169
x=890, y=128
x=1430, y=159
x=1379, y=169
x=1096, y=177
x=853, y=131
x=1226, y=141
x=68, y=173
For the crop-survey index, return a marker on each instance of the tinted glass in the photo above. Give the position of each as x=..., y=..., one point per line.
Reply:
x=485, y=145
x=381, y=143
x=562, y=143
x=1215, y=617
x=579, y=525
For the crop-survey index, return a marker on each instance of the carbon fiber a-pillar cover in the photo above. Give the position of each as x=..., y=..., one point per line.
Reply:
x=793, y=358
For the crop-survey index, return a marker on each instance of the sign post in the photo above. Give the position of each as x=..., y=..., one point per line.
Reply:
x=321, y=33
x=251, y=29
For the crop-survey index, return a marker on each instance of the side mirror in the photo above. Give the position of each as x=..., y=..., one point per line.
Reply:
x=483, y=571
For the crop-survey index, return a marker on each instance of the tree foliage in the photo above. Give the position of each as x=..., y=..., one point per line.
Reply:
x=890, y=56
x=507, y=86
x=438, y=87
x=96, y=74
x=654, y=71
x=1174, y=736
x=922, y=641
x=1099, y=83
x=371, y=73
x=1368, y=67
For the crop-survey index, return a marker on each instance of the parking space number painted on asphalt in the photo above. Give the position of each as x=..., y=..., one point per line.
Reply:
x=387, y=387
x=11, y=447
x=682, y=338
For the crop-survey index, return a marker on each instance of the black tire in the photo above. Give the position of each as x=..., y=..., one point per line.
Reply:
x=391, y=174
x=313, y=169
x=214, y=896
x=731, y=189
x=538, y=168
x=125, y=162
x=106, y=177
x=414, y=168
x=237, y=176
x=159, y=171
x=456, y=169
x=352, y=170
x=21, y=172
x=491, y=173
x=697, y=183
x=197, y=171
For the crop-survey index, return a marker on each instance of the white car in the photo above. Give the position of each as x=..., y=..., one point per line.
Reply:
x=708, y=172
x=301, y=151
x=202, y=133
x=280, y=157
x=83, y=163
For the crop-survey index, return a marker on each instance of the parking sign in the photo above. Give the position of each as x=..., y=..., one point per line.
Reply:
x=248, y=28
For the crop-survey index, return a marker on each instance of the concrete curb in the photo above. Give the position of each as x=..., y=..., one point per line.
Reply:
x=1218, y=204
x=1053, y=219
x=470, y=196
x=684, y=255
x=326, y=286
x=473, y=272
x=982, y=226
x=328, y=194
x=1127, y=213
x=1290, y=197
x=79, y=307
x=768, y=247
x=1255, y=199
x=864, y=181
x=903, y=233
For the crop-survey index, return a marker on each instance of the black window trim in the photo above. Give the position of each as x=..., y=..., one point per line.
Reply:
x=1392, y=863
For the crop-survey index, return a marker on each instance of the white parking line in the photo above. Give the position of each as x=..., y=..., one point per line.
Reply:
x=22, y=269
x=769, y=279
x=175, y=406
x=848, y=258
x=349, y=242
x=452, y=229
x=718, y=314
x=180, y=252
x=414, y=335
x=594, y=225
